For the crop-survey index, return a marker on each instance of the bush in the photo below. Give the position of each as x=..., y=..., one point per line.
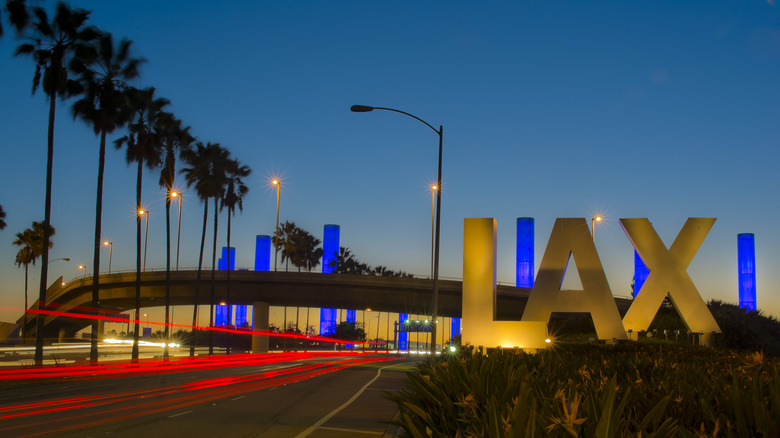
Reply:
x=632, y=389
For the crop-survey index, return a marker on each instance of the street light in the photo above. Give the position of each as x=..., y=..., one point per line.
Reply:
x=593, y=221
x=110, y=246
x=178, y=231
x=84, y=268
x=146, y=238
x=63, y=258
x=440, y=132
x=278, y=185
x=434, y=188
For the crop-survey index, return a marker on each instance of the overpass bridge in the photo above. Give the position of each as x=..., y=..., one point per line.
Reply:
x=303, y=289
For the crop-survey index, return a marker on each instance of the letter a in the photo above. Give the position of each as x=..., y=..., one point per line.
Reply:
x=668, y=275
x=571, y=237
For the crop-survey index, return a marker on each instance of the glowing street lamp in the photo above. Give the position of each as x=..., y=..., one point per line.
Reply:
x=110, y=246
x=440, y=132
x=180, y=198
x=593, y=221
x=278, y=185
x=83, y=268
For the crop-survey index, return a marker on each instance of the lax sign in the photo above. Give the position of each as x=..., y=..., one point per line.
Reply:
x=571, y=237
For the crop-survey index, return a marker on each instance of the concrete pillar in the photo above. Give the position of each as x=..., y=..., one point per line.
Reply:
x=61, y=336
x=101, y=328
x=260, y=312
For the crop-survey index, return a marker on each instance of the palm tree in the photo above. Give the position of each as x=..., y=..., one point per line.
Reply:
x=2, y=218
x=207, y=172
x=51, y=44
x=143, y=147
x=31, y=242
x=233, y=197
x=18, y=15
x=284, y=239
x=174, y=138
x=102, y=73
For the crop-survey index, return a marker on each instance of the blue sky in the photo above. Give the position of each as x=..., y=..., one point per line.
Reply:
x=665, y=110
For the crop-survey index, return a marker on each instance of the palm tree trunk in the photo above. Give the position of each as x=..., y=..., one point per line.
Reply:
x=213, y=272
x=93, y=352
x=138, y=182
x=24, y=326
x=227, y=300
x=167, y=272
x=197, y=280
x=46, y=235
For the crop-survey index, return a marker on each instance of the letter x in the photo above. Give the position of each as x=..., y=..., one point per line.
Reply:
x=668, y=275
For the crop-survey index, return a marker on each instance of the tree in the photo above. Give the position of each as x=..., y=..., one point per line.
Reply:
x=284, y=239
x=31, y=242
x=208, y=172
x=2, y=218
x=174, y=138
x=233, y=197
x=312, y=252
x=52, y=44
x=143, y=147
x=103, y=71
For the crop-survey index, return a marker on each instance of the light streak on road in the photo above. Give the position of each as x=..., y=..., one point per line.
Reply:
x=252, y=332
x=67, y=414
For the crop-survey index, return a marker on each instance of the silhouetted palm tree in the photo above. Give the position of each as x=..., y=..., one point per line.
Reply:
x=52, y=44
x=18, y=15
x=31, y=242
x=174, y=138
x=2, y=218
x=143, y=147
x=208, y=172
x=233, y=197
x=284, y=239
x=312, y=252
x=102, y=73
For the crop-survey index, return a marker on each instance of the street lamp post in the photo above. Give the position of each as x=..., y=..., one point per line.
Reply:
x=179, y=196
x=83, y=268
x=433, y=221
x=146, y=237
x=593, y=221
x=440, y=132
x=110, y=246
x=278, y=185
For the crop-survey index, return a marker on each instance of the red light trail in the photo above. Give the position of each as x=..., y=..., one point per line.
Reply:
x=37, y=418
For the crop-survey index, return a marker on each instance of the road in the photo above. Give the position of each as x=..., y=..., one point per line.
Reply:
x=270, y=395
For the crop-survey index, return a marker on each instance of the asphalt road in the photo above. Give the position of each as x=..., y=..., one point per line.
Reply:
x=272, y=395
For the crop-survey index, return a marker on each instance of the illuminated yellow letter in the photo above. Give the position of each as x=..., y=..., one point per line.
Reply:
x=570, y=237
x=668, y=275
x=478, y=326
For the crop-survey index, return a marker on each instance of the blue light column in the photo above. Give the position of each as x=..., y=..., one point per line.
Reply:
x=640, y=273
x=327, y=321
x=223, y=260
x=263, y=253
x=221, y=315
x=330, y=248
x=525, y=253
x=454, y=327
x=746, y=265
x=240, y=315
x=402, y=342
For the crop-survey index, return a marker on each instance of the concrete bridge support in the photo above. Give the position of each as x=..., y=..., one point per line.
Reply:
x=260, y=312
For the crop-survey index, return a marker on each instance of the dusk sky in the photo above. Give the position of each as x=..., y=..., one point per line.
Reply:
x=662, y=109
